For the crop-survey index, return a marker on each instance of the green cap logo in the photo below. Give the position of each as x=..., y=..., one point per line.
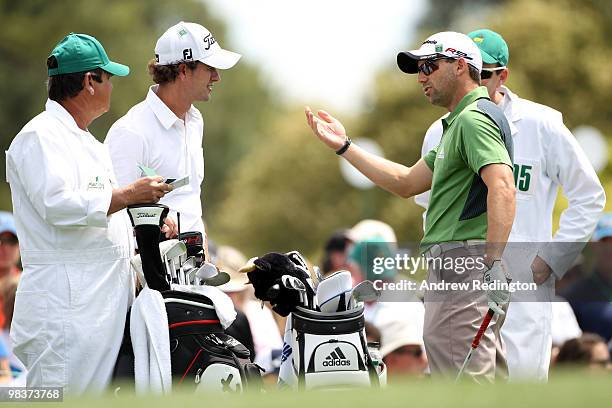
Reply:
x=182, y=32
x=438, y=48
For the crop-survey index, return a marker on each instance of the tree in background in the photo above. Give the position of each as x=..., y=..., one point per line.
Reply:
x=288, y=193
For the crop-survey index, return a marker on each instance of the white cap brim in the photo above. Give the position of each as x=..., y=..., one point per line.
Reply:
x=222, y=59
x=400, y=342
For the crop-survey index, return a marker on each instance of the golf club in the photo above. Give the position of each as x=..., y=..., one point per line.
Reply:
x=363, y=292
x=291, y=282
x=208, y=274
x=476, y=341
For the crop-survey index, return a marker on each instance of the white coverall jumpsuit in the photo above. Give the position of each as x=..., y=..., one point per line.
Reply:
x=76, y=285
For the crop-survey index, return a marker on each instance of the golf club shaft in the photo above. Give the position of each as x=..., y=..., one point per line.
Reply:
x=476, y=341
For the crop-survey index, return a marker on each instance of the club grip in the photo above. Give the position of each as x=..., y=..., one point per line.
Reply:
x=483, y=328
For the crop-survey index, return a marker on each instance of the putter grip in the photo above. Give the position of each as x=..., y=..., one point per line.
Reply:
x=483, y=327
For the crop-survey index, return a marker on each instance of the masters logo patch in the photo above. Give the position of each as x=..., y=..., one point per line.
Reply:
x=95, y=184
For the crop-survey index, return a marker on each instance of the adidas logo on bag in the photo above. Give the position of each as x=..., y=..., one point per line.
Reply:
x=336, y=358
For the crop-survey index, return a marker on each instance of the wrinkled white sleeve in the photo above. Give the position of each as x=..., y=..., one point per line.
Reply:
x=567, y=165
x=127, y=151
x=47, y=177
x=431, y=140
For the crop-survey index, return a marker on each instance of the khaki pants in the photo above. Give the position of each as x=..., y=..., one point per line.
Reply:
x=452, y=318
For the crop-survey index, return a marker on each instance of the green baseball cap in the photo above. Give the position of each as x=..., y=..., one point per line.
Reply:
x=82, y=52
x=493, y=48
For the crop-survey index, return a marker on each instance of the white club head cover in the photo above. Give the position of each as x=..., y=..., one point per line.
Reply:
x=333, y=292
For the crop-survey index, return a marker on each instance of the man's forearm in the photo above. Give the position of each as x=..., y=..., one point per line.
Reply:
x=500, y=217
x=394, y=177
x=119, y=200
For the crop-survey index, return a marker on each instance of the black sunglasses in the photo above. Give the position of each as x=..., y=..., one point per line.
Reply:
x=487, y=73
x=429, y=66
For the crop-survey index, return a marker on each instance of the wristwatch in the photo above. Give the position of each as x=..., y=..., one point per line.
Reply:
x=344, y=147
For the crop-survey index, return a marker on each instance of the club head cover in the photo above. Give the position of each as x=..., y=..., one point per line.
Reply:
x=193, y=241
x=334, y=291
x=147, y=220
x=266, y=272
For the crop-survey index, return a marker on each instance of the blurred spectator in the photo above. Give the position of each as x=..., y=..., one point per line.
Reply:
x=587, y=351
x=336, y=257
x=5, y=369
x=224, y=258
x=265, y=334
x=9, y=245
x=9, y=277
x=575, y=273
x=372, y=333
x=373, y=239
x=8, y=288
x=401, y=345
x=591, y=297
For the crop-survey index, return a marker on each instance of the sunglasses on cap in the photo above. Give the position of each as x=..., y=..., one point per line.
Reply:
x=430, y=66
x=487, y=73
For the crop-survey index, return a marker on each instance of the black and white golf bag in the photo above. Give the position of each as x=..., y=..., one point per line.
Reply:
x=322, y=350
x=328, y=351
x=202, y=355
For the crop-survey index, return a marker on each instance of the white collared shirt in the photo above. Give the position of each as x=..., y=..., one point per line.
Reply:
x=61, y=181
x=151, y=135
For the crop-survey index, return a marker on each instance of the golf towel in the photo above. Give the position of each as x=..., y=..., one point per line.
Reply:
x=151, y=343
x=224, y=307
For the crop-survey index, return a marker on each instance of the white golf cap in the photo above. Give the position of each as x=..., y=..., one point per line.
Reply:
x=192, y=42
x=403, y=331
x=445, y=44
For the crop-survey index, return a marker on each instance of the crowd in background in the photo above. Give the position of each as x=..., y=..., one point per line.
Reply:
x=582, y=323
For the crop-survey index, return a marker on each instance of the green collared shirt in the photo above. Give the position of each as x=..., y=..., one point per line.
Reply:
x=470, y=141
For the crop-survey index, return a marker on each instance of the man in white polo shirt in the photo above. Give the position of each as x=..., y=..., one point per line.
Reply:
x=164, y=132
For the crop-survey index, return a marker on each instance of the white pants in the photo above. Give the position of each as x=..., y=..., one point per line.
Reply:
x=68, y=323
x=526, y=332
x=527, y=336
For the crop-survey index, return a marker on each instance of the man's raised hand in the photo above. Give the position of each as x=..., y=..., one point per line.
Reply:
x=327, y=128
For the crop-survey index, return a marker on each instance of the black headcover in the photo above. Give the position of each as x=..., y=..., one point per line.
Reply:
x=147, y=220
x=265, y=275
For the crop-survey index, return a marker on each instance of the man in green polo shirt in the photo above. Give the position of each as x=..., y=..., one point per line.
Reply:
x=472, y=199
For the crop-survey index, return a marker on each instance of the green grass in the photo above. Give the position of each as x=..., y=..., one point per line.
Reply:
x=576, y=390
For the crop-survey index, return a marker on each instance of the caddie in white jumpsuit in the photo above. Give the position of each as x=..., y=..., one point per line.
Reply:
x=74, y=236
x=546, y=156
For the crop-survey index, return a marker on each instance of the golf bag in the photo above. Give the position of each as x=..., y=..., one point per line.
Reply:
x=322, y=350
x=328, y=351
x=202, y=355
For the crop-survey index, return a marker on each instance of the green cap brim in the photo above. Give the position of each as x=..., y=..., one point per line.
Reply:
x=116, y=69
x=487, y=59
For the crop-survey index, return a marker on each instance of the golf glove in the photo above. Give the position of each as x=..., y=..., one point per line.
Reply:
x=498, y=296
